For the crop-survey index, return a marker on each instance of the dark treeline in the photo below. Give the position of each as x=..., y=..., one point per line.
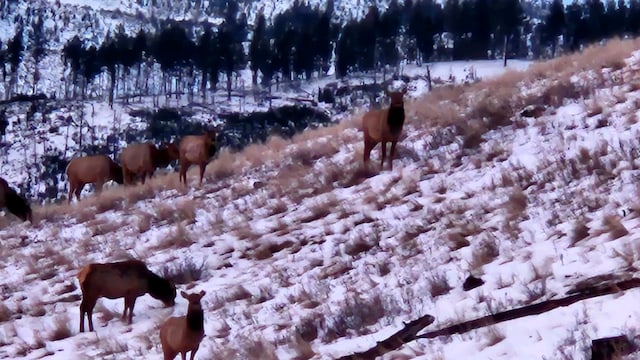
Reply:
x=306, y=41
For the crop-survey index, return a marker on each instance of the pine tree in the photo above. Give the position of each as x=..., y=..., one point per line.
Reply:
x=554, y=25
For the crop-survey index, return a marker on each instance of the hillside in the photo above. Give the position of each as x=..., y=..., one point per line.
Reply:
x=305, y=254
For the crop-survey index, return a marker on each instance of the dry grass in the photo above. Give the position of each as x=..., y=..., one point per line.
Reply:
x=186, y=271
x=580, y=230
x=438, y=285
x=484, y=252
x=614, y=226
x=516, y=204
x=61, y=328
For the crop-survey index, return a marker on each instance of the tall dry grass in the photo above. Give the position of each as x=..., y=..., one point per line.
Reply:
x=470, y=109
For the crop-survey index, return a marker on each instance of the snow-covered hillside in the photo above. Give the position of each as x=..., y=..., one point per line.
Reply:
x=305, y=254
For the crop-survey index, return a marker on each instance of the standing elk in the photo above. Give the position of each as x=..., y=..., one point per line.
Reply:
x=143, y=159
x=384, y=125
x=15, y=203
x=196, y=149
x=94, y=169
x=127, y=279
x=183, y=334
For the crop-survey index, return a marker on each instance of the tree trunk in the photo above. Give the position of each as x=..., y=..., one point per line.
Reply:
x=504, y=51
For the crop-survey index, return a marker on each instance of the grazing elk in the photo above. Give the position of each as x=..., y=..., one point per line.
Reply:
x=384, y=125
x=143, y=159
x=127, y=279
x=94, y=169
x=15, y=203
x=196, y=149
x=183, y=334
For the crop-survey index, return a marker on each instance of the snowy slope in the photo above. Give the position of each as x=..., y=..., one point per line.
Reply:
x=304, y=254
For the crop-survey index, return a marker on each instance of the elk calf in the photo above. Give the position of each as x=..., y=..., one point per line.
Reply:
x=183, y=334
x=94, y=169
x=384, y=125
x=128, y=279
x=196, y=149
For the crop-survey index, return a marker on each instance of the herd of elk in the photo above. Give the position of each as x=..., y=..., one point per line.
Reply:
x=131, y=279
x=142, y=159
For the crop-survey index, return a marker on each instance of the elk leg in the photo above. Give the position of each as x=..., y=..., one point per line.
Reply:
x=83, y=310
x=202, y=167
x=72, y=187
x=391, y=154
x=79, y=188
x=125, y=176
x=183, y=171
x=193, y=351
x=368, y=146
x=384, y=153
x=86, y=307
x=183, y=355
x=132, y=303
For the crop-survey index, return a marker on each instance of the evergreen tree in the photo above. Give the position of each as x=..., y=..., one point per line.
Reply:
x=15, y=49
x=554, y=25
x=633, y=19
x=482, y=30
x=37, y=42
x=596, y=20
x=256, y=47
x=388, y=30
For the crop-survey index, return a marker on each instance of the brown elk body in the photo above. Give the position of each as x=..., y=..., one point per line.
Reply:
x=94, y=169
x=127, y=279
x=143, y=159
x=196, y=149
x=384, y=125
x=183, y=334
x=15, y=203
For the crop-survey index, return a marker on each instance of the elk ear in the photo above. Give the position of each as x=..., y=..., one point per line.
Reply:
x=404, y=90
x=202, y=292
x=184, y=294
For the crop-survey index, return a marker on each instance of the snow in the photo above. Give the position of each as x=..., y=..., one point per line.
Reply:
x=290, y=252
x=318, y=279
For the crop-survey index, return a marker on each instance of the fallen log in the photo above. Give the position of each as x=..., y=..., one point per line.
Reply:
x=534, y=309
x=401, y=337
x=409, y=332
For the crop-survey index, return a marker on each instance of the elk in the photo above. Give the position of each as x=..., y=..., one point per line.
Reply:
x=384, y=125
x=127, y=279
x=196, y=149
x=183, y=334
x=15, y=203
x=144, y=158
x=93, y=169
